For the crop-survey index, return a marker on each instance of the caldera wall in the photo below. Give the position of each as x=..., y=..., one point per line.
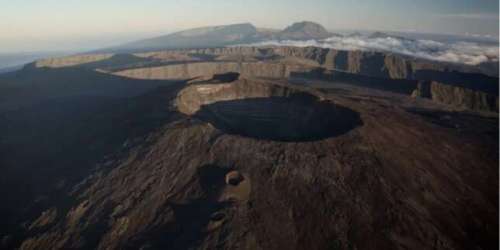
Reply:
x=457, y=96
x=69, y=61
x=263, y=110
x=190, y=99
x=193, y=70
x=458, y=85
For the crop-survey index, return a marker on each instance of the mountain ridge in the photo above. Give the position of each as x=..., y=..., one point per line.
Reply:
x=211, y=36
x=225, y=35
x=304, y=30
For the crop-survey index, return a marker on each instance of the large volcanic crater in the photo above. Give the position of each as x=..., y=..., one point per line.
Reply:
x=266, y=110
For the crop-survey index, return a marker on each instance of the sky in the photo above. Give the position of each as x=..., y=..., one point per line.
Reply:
x=35, y=25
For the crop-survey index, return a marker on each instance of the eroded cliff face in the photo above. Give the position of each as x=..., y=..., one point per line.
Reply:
x=192, y=98
x=459, y=85
x=359, y=62
x=457, y=96
x=199, y=69
x=71, y=60
x=375, y=64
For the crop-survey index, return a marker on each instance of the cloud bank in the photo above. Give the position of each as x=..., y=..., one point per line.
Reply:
x=456, y=52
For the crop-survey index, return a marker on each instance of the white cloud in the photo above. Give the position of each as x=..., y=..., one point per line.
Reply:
x=455, y=52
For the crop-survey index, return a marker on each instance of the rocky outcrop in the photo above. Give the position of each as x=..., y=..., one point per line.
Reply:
x=71, y=60
x=192, y=98
x=400, y=86
x=198, y=69
x=457, y=96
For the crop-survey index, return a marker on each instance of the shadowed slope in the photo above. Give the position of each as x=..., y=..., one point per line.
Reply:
x=29, y=86
x=57, y=124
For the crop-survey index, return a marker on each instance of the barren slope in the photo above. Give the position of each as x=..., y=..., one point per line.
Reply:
x=393, y=180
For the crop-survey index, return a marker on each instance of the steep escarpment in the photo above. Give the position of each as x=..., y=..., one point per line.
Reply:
x=457, y=96
x=70, y=60
x=480, y=97
x=192, y=98
x=370, y=69
x=199, y=69
x=401, y=86
x=376, y=64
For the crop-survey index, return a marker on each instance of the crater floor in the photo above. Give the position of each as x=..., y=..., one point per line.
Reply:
x=280, y=118
x=270, y=111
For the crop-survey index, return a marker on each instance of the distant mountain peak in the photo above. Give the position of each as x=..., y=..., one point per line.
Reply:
x=305, y=26
x=225, y=35
x=305, y=30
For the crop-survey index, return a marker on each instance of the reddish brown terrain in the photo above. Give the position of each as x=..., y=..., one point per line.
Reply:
x=248, y=148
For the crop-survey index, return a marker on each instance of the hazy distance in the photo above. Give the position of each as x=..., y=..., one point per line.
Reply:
x=86, y=25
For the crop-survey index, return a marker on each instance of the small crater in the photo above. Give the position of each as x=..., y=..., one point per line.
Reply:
x=237, y=188
x=234, y=178
x=217, y=216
